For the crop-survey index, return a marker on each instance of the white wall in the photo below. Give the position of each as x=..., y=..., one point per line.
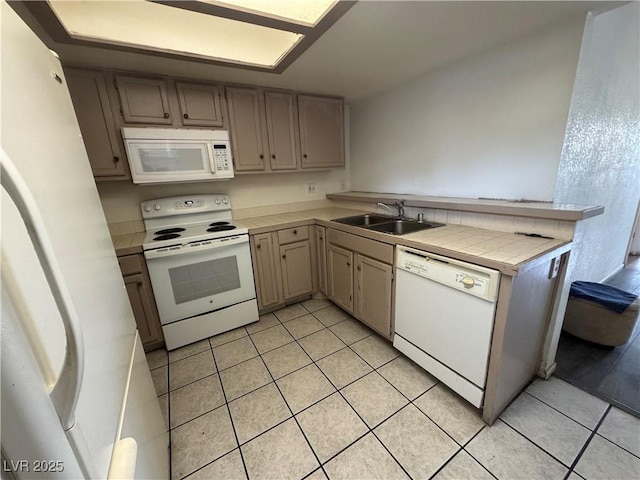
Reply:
x=601, y=156
x=121, y=200
x=490, y=126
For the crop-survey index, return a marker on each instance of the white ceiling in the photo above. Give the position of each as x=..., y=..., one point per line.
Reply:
x=375, y=46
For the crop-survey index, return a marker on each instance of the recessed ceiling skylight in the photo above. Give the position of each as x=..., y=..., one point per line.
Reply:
x=304, y=12
x=257, y=34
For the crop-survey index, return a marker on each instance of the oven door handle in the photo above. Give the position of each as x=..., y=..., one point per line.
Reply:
x=195, y=247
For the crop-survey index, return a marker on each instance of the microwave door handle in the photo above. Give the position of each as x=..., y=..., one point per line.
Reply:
x=65, y=392
x=212, y=160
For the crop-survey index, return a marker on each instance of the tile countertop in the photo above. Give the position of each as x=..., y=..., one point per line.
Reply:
x=548, y=210
x=128, y=244
x=507, y=252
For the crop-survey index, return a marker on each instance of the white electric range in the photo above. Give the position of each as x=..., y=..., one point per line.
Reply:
x=200, y=266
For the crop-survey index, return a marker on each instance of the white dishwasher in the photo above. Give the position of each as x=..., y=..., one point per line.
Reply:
x=444, y=318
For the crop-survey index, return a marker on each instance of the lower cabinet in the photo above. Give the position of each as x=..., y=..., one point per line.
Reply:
x=360, y=278
x=138, y=285
x=281, y=266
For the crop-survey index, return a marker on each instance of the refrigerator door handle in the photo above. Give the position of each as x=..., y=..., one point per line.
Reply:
x=65, y=392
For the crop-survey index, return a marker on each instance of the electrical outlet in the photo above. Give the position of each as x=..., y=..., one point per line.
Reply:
x=343, y=186
x=310, y=189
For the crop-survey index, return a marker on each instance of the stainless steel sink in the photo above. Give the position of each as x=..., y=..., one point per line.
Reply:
x=365, y=220
x=386, y=224
x=402, y=227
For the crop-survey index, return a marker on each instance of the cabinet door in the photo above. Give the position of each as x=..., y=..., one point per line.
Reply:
x=321, y=256
x=91, y=104
x=144, y=310
x=340, y=276
x=296, y=269
x=267, y=276
x=281, y=129
x=199, y=105
x=373, y=293
x=321, y=131
x=245, y=122
x=143, y=100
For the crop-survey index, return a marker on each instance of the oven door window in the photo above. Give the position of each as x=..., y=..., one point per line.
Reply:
x=204, y=279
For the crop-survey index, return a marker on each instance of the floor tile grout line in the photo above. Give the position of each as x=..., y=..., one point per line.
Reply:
x=219, y=406
x=464, y=448
x=564, y=414
x=293, y=415
x=538, y=445
x=442, y=467
x=389, y=451
x=233, y=427
x=370, y=429
x=586, y=444
x=617, y=445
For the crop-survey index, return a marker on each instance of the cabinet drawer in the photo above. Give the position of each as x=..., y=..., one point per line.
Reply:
x=293, y=235
x=130, y=264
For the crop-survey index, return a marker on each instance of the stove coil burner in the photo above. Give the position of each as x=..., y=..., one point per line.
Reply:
x=217, y=224
x=221, y=228
x=169, y=230
x=167, y=236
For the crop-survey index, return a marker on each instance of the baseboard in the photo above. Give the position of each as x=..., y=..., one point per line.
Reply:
x=615, y=271
x=546, y=373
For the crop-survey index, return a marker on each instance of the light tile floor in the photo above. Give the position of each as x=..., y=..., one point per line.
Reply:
x=309, y=392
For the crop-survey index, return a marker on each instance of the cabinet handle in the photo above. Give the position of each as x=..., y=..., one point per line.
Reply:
x=186, y=115
x=261, y=156
x=284, y=256
x=273, y=155
x=295, y=232
x=359, y=267
x=139, y=283
x=348, y=264
x=166, y=115
x=258, y=246
x=304, y=155
x=116, y=159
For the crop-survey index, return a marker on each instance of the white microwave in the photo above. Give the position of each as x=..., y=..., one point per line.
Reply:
x=168, y=155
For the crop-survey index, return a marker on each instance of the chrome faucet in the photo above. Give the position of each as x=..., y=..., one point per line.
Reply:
x=399, y=204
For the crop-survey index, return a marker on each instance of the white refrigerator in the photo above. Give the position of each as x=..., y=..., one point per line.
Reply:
x=77, y=396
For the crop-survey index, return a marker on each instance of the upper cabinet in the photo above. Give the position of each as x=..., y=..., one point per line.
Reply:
x=281, y=118
x=271, y=130
x=90, y=98
x=263, y=126
x=321, y=131
x=143, y=100
x=247, y=131
x=200, y=105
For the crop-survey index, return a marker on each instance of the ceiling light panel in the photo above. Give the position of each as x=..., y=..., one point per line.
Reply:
x=303, y=12
x=150, y=25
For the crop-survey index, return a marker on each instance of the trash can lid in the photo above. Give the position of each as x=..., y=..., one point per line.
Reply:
x=610, y=297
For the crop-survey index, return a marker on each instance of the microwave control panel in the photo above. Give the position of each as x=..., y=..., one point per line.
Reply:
x=221, y=157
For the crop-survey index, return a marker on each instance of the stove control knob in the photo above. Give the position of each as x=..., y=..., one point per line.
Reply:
x=147, y=208
x=156, y=207
x=218, y=201
x=225, y=200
